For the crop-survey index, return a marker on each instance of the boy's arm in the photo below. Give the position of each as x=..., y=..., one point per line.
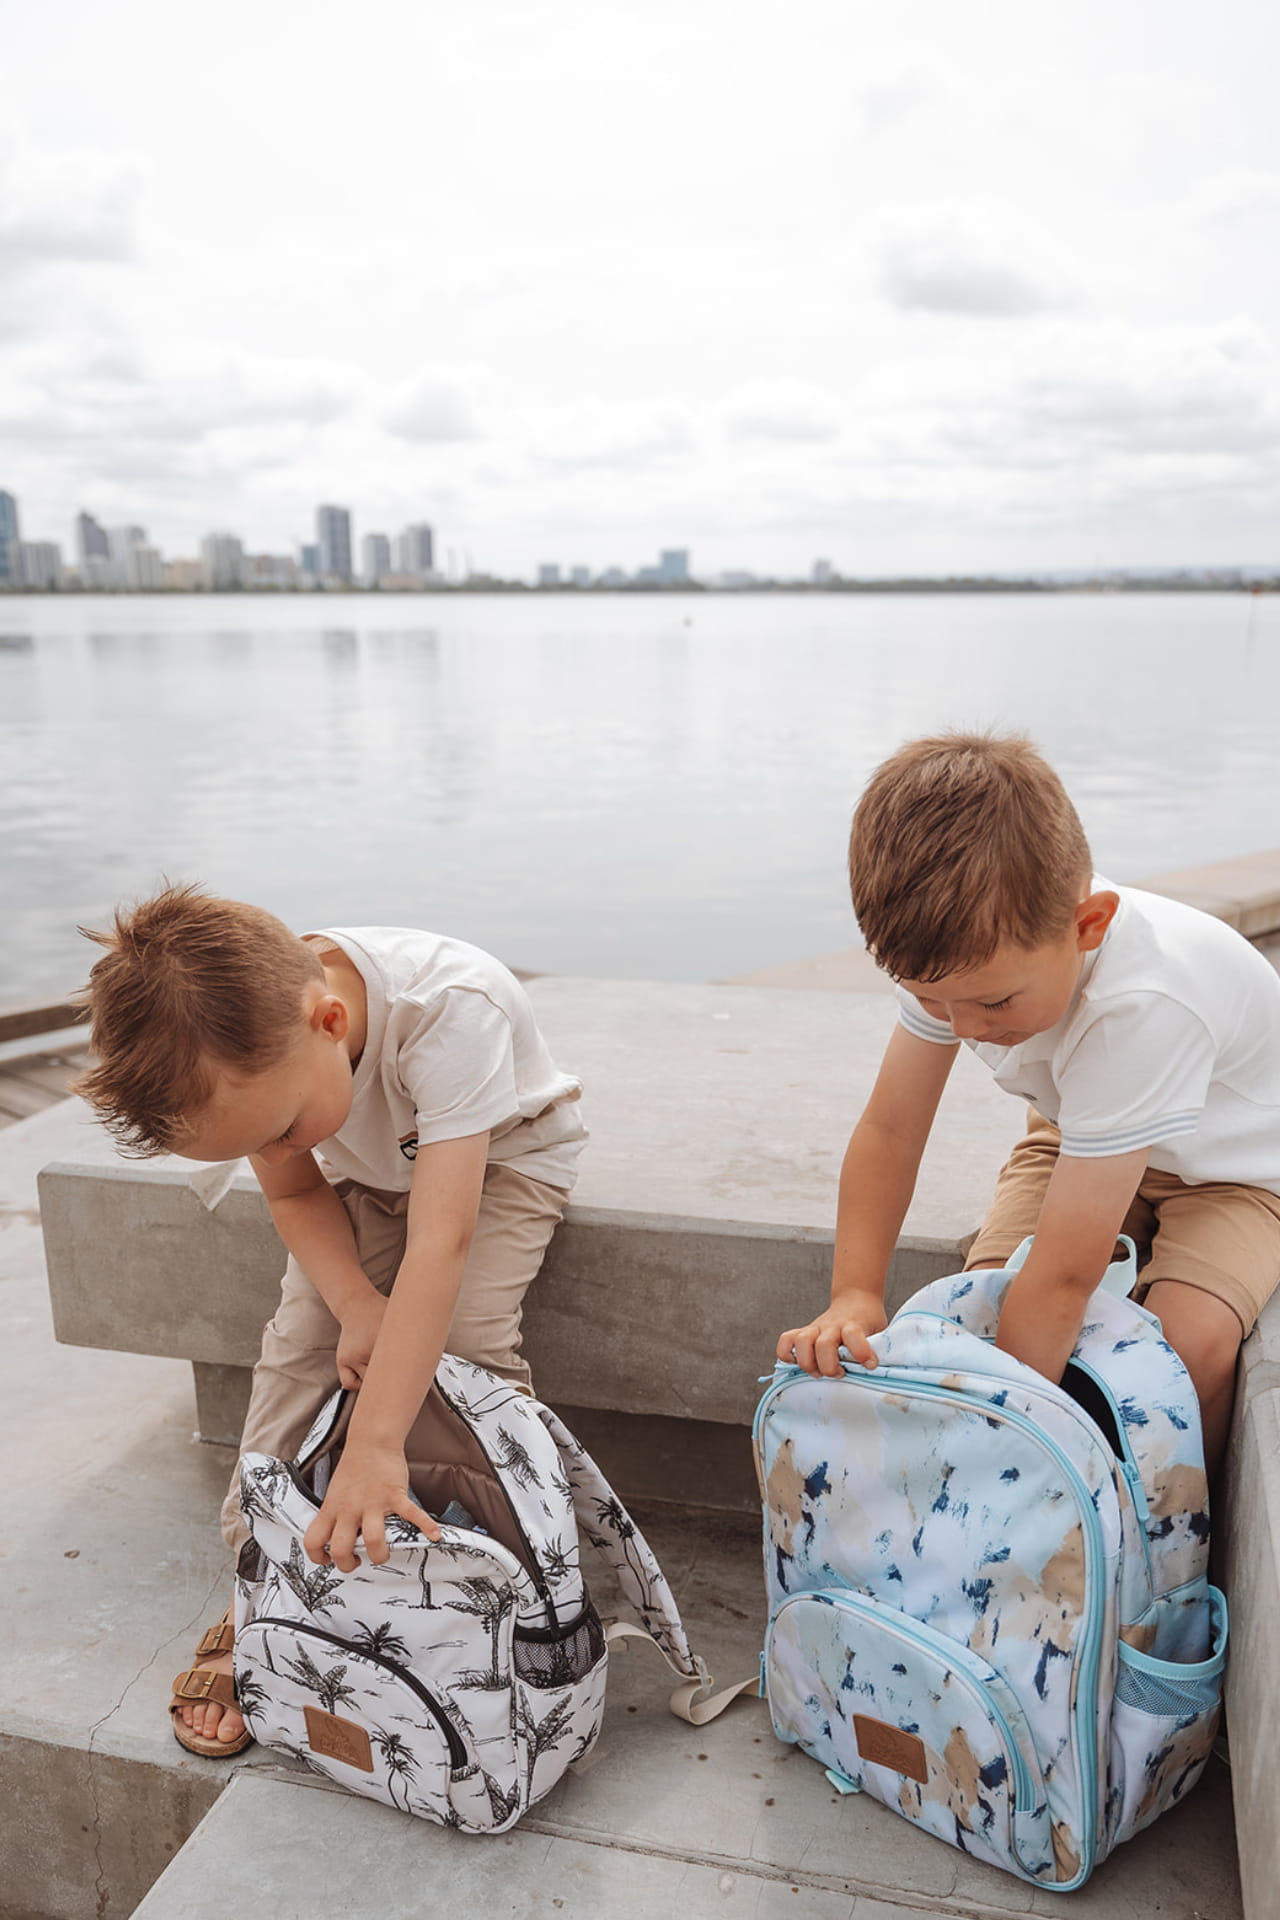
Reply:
x=371, y=1479
x=1084, y=1208
x=313, y=1223
x=877, y=1181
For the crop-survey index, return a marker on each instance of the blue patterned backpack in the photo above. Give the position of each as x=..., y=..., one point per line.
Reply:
x=988, y=1596
x=462, y=1678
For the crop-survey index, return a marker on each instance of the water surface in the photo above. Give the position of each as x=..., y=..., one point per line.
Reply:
x=643, y=786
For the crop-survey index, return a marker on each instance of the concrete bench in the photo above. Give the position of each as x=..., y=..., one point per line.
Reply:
x=702, y=1223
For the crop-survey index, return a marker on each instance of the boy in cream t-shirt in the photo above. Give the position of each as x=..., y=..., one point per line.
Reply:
x=416, y=1144
x=1144, y=1034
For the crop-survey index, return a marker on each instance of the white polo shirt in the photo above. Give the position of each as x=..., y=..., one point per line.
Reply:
x=1171, y=1042
x=451, y=1049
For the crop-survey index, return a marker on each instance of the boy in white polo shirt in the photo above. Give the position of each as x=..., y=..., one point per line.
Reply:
x=1145, y=1035
x=413, y=1066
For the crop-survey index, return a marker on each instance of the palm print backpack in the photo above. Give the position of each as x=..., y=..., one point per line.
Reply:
x=988, y=1596
x=459, y=1680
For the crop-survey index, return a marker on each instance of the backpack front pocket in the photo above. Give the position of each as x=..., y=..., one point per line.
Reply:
x=893, y=1708
x=362, y=1719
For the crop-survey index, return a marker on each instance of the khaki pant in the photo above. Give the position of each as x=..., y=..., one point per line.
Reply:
x=1222, y=1238
x=298, y=1369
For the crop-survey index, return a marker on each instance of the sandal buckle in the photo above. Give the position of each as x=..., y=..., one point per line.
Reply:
x=198, y=1684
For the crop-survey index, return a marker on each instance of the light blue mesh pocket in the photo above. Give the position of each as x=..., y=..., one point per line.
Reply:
x=1169, y=1693
x=1163, y=1720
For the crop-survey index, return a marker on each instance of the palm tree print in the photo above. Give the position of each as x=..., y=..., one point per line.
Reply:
x=249, y=1694
x=513, y=1458
x=330, y=1688
x=313, y=1585
x=542, y=1736
x=400, y=1761
x=401, y=1532
x=503, y=1804
x=614, y=1515
x=379, y=1642
x=557, y=1559
x=270, y=1480
x=486, y=1601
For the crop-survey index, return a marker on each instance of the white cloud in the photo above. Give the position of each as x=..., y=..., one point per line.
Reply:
x=979, y=257
x=596, y=434
x=781, y=410
x=75, y=206
x=1235, y=195
x=435, y=406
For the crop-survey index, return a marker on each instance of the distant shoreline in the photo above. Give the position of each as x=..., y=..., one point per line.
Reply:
x=959, y=584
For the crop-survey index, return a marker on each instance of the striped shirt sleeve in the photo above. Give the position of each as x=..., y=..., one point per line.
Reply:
x=1139, y=1075
x=913, y=1017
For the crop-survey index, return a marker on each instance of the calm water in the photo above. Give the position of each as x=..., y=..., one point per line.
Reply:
x=645, y=787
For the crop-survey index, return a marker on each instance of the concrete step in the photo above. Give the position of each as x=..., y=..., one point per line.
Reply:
x=335, y=1854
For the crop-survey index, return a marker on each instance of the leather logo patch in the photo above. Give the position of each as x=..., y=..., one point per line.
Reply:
x=338, y=1739
x=887, y=1746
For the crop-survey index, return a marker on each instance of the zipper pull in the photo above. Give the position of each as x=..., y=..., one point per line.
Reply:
x=841, y=1782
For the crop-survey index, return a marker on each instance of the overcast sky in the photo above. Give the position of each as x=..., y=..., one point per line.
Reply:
x=923, y=287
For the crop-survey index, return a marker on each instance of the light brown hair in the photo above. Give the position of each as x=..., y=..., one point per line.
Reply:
x=960, y=843
x=188, y=984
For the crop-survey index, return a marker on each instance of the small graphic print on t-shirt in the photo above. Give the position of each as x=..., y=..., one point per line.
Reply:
x=409, y=1146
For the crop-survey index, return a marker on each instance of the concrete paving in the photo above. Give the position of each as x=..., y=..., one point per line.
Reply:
x=113, y=1564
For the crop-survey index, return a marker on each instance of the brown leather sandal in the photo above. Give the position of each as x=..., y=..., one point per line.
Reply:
x=200, y=1685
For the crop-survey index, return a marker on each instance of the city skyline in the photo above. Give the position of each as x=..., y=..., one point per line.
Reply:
x=939, y=292
x=123, y=559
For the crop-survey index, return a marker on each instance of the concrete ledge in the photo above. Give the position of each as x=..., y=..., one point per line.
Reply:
x=1245, y=892
x=1251, y=1574
x=701, y=1226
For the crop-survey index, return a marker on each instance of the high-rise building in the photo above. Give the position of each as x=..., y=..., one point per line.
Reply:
x=333, y=537
x=823, y=573
x=309, y=563
x=580, y=577
x=375, y=553
x=673, y=566
x=35, y=565
x=10, y=534
x=549, y=574
x=122, y=544
x=91, y=539
x=223, y=556
x=415, y=552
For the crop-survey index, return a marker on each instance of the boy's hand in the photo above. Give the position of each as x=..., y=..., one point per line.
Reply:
x=846, y=1323
x=369, y=1483
x=360, y=1325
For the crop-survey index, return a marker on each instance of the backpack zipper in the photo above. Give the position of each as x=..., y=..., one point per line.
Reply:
x=952, y=1653
x=458, y=1761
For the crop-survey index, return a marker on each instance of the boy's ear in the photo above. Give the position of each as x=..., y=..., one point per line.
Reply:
x=1093, y=916
x=329, y=1016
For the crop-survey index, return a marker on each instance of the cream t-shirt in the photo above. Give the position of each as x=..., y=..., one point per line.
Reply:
x=451, y=1049
x=1171, y=1042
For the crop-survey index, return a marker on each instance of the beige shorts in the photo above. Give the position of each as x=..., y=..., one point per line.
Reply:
x=298, y=1369
x=1221, y=1238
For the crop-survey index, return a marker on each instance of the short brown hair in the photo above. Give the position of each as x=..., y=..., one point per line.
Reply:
x=959, y=843
x=188, y=983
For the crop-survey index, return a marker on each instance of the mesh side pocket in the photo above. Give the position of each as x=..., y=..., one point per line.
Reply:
x=546, y=1659
x=1166, y=1694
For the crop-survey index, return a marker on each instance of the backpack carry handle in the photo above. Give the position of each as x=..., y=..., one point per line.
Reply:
x=1119, y=1279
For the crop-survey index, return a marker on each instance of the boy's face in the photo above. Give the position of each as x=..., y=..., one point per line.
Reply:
x=288, y=1109
x=1019, y=991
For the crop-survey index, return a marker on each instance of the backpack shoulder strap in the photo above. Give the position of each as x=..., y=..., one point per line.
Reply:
x=612, y=1531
